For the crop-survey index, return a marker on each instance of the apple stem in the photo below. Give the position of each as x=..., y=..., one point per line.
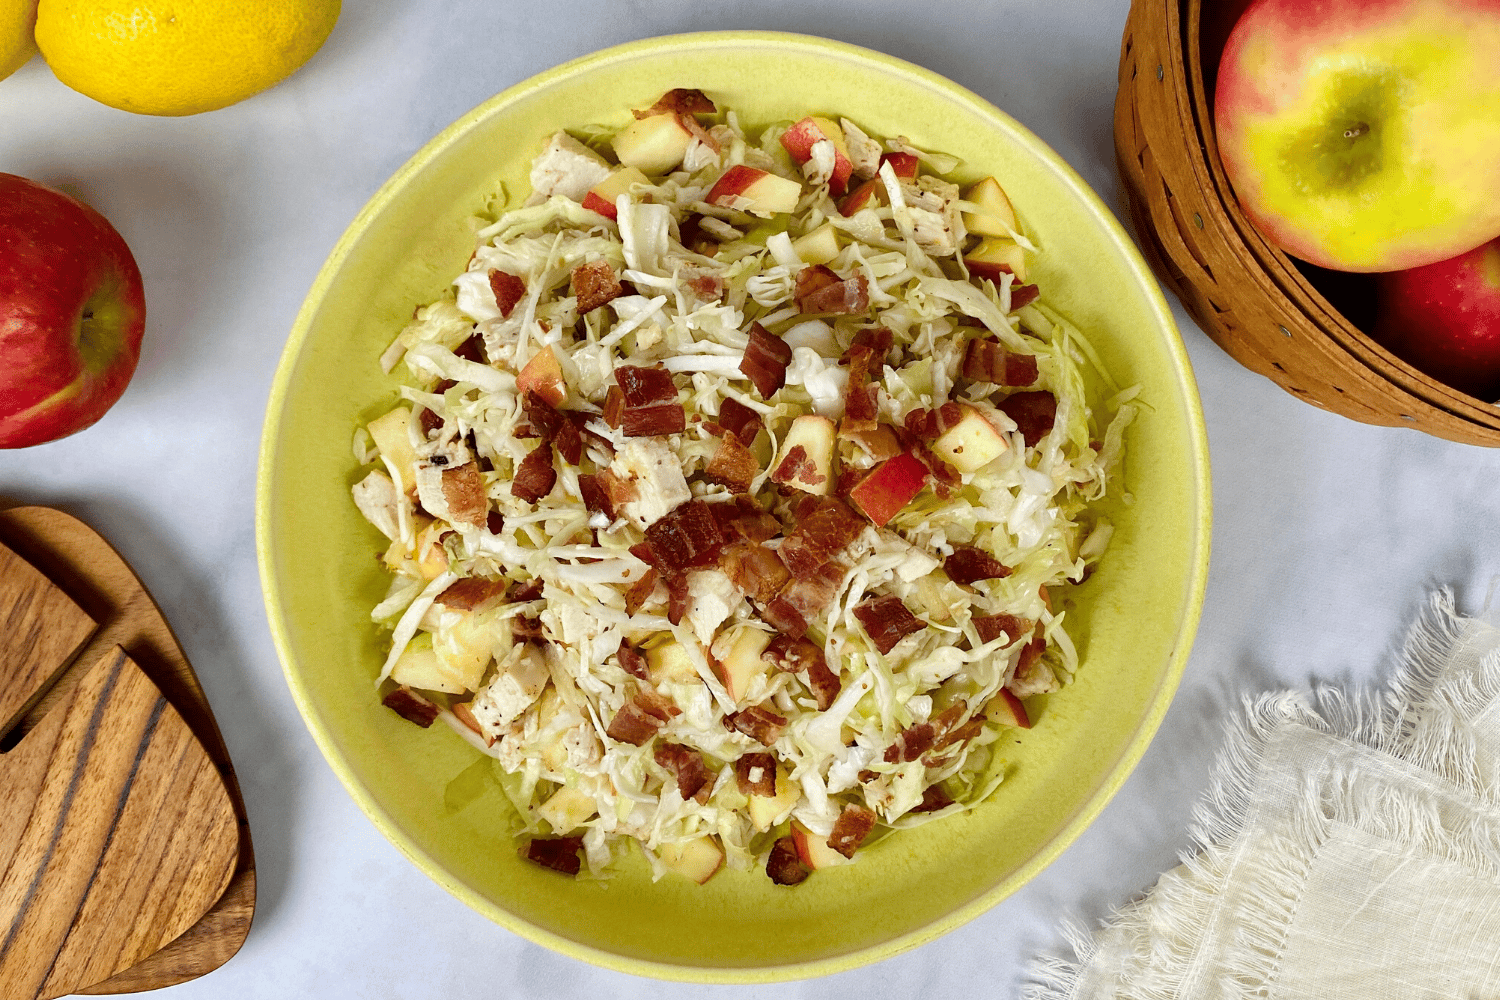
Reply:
x=1356, y=131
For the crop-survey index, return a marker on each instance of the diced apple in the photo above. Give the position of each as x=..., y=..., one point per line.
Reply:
x=768, y=810
x=870, y=194
x=750, y=189
x=819, y=246
x=995, y=217
x=890, y=487
x=432, y=558
x=997, y=255
x=806, y=456
x=464, y=648
x=699, y=859
x=801, y=137
x=1006, y=709
x=601, y=197
x=418, y=666
x=389, y=434
x=814, y=850
x=655, y=144
x=905, y=165
x=543, y=375
x=742, y=662
x=669, y=663
x=970, y=444
x=567, y=809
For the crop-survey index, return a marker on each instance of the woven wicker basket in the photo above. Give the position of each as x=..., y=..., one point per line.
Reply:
x=1251, y=298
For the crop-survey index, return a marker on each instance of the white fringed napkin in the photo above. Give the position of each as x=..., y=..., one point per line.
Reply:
x=1349, y=850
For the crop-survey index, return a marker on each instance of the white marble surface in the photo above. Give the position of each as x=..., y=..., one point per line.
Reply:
x=1328, y=535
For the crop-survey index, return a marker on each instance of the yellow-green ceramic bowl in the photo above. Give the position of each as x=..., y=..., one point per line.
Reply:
x=1135, y=617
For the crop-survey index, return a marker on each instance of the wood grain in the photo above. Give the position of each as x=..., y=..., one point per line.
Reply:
x=120, y=831
x=43, y=629
x=74, y=556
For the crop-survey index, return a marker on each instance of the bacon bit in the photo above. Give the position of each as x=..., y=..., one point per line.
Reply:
x=850, y=829
x=687, y=536
x=1030, y=654
x=617, y=491
x=799, y=656
x=677, y=598
x=765, y=361
x=633, y=724
x=755, y=774
x=991, y=627
x=814, y=279
x=845, y=298
x=945, y=477
x=824, y=529
x=508, y=290
x=887, y=621
x=988, y=361
x=968, y=564
x=640, y=591
x=614, y=406
x=680, y=101
x=921, y=424
x=558, y=853
x=648, y=403
x=780, y=614
x=569, y=442
x=760, y=724
x=911, y=743
x=877, y=340
x=967, y=731
x=708, y=287
x=686, y=764
x=933, y=799
x=1023, y=295
x=594, y=284
x=531, y=590
x=463, y=489
x=783, y=866
x=797, y=467
x=739, y=420
x=656, y=705
x=631, y=661
x=430, y=421
x=849, y=477
x=804, y=596
x=642, y=551
x=535, y=476
x=754, y=570
x=733, y=465
x=494, y=521
x=470, y=592
x=413, y=707
x=1033, y=412
x=470, y=350
x=523, y=627
x=742, y=516
x=594, y=497
x=542, y=415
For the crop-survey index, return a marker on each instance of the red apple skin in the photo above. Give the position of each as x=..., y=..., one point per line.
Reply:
x=1361, y=135
x=890, y=487
x=1444, y=319
x=72, y=312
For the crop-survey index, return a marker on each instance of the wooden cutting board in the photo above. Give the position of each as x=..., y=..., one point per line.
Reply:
x=89, y=571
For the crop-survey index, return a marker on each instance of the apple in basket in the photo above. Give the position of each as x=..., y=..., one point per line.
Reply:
x=1364, y=135
x=1444, y=319
x=72, y=312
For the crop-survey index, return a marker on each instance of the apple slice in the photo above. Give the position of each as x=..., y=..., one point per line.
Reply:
x=768, y=810
x=814, y=850
x=464, y=648
x=418, y=666
x=742, y=662
x=870, y=194
x=543, y=375
x=750, y=189
x=997, y=255
x=1008, y=710
x=669, y=663
x=806, y=456
x=819, y=246
x=995, y=217
x=699, y=859
x=601, y=197
x=905, y=165
x=800, y=139
x=890, y=487
x=389, y=434
x=567, y=809
x=655, y=144
x=970, y=444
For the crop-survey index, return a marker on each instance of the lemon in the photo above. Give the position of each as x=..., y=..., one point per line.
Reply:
x=16, y=45
x=179, y=57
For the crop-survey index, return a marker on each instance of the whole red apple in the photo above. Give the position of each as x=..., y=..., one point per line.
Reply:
x=72, y=312
x=1364, y=135
x=1444, y=319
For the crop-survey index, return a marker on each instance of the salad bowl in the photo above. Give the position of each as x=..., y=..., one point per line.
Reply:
x=432, y=795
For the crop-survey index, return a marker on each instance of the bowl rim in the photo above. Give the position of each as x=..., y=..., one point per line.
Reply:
x=1089, y=809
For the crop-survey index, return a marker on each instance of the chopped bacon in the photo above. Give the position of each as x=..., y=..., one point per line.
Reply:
x=508, y=290
x=804, y=597
x=754, y=570
x=1030, y=654
x=933, y=799
x=841, y=298
x=760, y=724
x=470, y=592
x=784, y=617
x=887, y=621
x=543, y=416
x=633, y=724
x=1033, y=412
x=680, y=101
x=1023, y=295
x=617, y=491
x=463, y=489
x=765, y=360
x=531, y=590
x=686, y=764
x=708, y=287
x=988, y=361
x=739, y=420
x=470, y=350
x=755, y=773
x=614, y=406
x=959, y=734
x=850, y=829
x=814, y=279
x=911, y=743
x=569, y=442
x=411, y=706
x=640, y=591
x=642, y=551
x=945, y=477
x=800, y=656
x=524, y=627
x=535, y=476
x=733, y=465
x=631, y=661
x=595, y=284
x=784, y=866
x=656, y=705
x=797, y=467
x=991, y=627
x=648, y=402
x=430, y=421
x=921, y=423
x=741, y=515
x=677, y=598
x=687, y=536
x=558, y=853
x=594, y=498
x=822, y=532
x=877, y=340
x=968, y=563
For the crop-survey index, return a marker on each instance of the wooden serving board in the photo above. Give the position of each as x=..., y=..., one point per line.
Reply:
x=90, y=572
